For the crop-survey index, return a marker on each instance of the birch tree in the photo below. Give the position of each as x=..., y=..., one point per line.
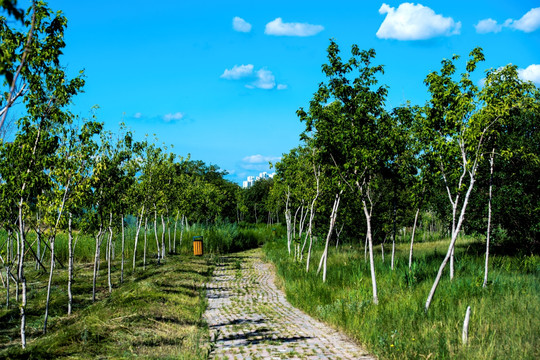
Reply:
x=350, y=126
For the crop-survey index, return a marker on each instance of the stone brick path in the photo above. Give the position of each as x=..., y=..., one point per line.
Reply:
x=249, y=318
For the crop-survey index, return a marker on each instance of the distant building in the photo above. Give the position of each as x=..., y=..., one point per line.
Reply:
x=252, y=179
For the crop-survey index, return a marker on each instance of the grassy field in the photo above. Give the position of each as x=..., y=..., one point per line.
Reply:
x=505, y=320
x=155, y=313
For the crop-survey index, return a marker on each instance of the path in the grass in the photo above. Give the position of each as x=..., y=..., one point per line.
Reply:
x=249, y=317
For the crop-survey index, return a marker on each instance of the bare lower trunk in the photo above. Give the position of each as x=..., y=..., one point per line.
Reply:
x=333, y=216
x=156, y=236
x=144, y=248
x=182, y=226
x=96, y=263
x=137, y=237
x=70, y=266
x=21, y=278
x=412, y=237
x=367, y=213
x=49, y=284
x=163, y=237
x=451, y=246
x=175, y=225
x=394, y=235
x=288, y=221
x=486, y=266
x=123, y=244
x=109, y=250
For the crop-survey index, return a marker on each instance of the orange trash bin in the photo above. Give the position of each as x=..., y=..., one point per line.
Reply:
x=198, y=245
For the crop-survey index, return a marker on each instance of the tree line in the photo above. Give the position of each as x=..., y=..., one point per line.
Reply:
x=465, y=161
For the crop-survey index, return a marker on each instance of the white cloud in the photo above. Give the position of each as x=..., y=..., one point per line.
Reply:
x=531, y=73
x=528, y=22
x=137, y=115
x=241, y=25
x=278, y=28
x=260, y=159
x=487, y=26
x=415, y=22
x=238, y=72
x=265, y=80
x=260, y=79
x=281, y=87
x=173, y=116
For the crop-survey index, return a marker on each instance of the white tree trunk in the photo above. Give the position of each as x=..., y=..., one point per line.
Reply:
x=70, y=265
x=486, y=266
x=333, y=217
x=156, y=236
x=452, y=243
x=109, y=259
x=412, y=237
x=465, y=332
x=137, y=237
x=163, y=237
x=99, y=237
x=145, y=237
x=367, y=213
x=123, y=244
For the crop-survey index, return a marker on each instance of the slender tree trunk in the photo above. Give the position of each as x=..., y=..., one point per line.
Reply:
x=163, y=238
x=382, y=251
x=367, y=213
x=412, y=237
x=145, y=236
x=333, y=217
x=452, y=243
x=109, y=249
x=20, y=276
x=49, y=284
x=139, y=223
x=489, y=217
x=394, y=233
x=288, y=220
x=123, y=245
x=156, y=236
x=175, y=225
x=96, y=263
x=169, y=234
x=182, y=224
x=70, y=265
x=38, y=237
x=365, y=249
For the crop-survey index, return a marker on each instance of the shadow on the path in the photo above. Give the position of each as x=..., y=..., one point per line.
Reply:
x=263, y=335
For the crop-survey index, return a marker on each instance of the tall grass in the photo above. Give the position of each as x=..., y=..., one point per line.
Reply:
x=504, y=323
x=217, y=239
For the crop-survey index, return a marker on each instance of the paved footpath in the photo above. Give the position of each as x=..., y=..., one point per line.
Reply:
x=249, y=317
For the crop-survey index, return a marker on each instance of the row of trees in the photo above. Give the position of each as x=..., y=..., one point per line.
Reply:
x=367, y=170
x=61, y=173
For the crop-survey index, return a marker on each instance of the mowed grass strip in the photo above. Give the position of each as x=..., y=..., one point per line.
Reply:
x=504, y=321
x=155, y=313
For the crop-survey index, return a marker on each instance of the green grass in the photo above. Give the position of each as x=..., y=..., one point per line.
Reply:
x=505, y=321
x=156, y=313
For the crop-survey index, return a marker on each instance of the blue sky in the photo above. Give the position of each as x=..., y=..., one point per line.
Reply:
x=227, y=90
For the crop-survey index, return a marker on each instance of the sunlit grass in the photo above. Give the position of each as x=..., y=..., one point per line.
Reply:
x=504, y=320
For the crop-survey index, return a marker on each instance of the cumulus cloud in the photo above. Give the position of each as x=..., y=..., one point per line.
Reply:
x=531, y=73
x=528, y=22
x=260, y=159
x=241, y=25
x=415, y=22
x=278, y=28
x=237, y=72
x=281, y=87
x=260, y=79
x=173, y=116
x=487, y=26
x=265, y=80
